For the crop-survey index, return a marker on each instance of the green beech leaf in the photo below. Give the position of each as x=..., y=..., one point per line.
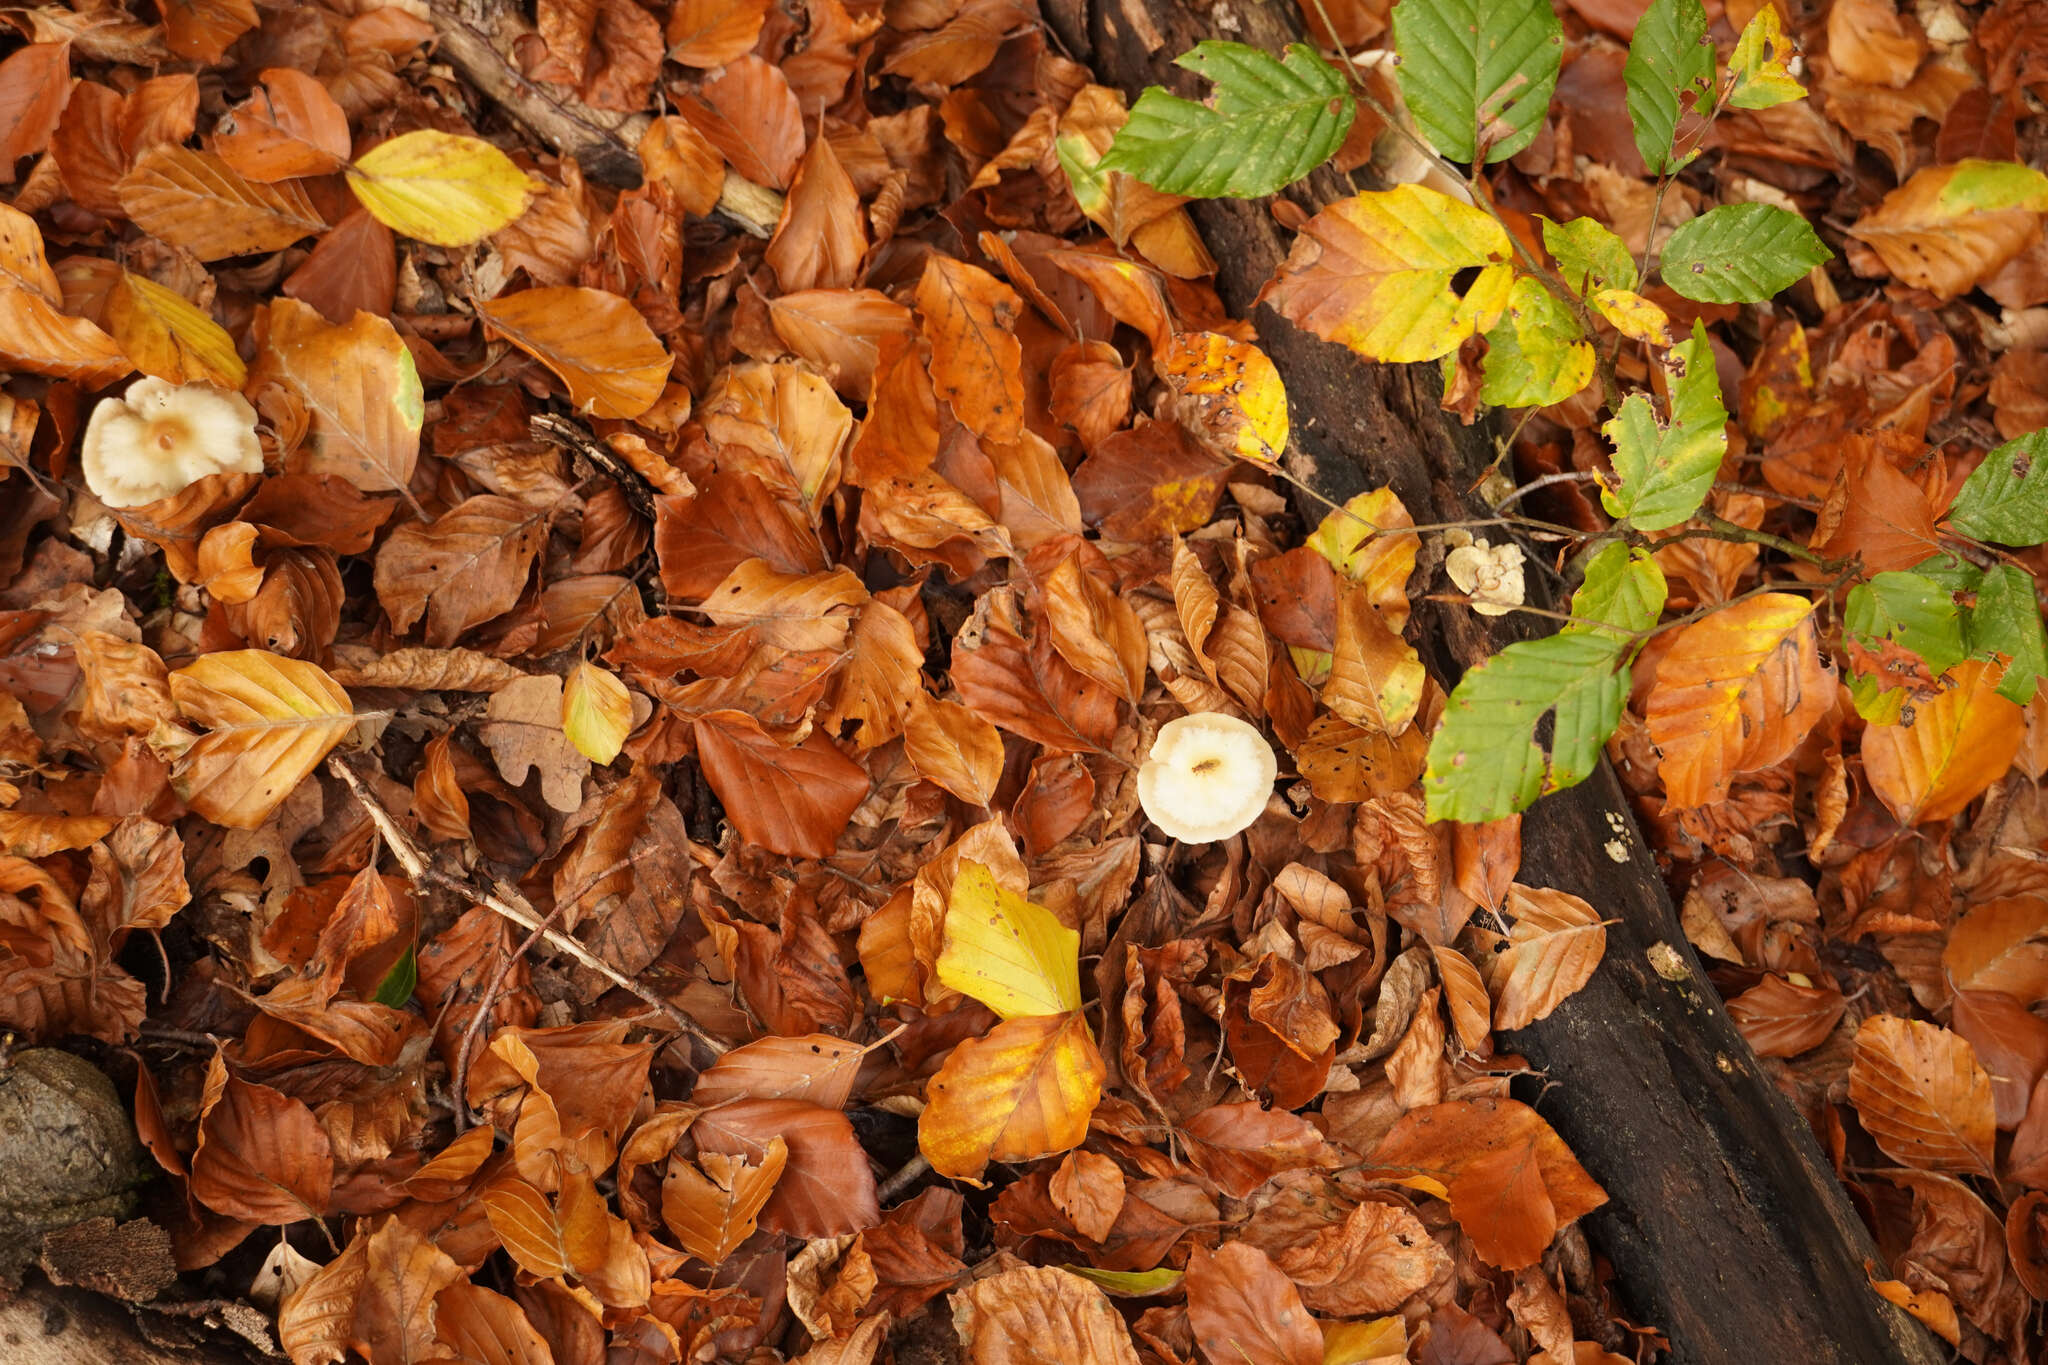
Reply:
x=1663, y=471
x=1535, y=355
x=2005, y=499
x=1622, y=595
x=1589, y=256
x=1478, y=71
x=398, y=984
x=2007, y=621
x=1129, y=1284
x=1912, y=611
x=1670, y=70
x=1485, y=761
x=1759, y=70
x=1741, y=253
x=1271, y=121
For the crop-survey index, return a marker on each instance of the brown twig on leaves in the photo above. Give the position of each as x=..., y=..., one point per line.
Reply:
x=416, y=866
x=574, y=439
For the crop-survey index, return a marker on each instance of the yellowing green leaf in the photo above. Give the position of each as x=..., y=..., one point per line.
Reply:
x=1633, y=315
x=1759, y=70
x=440, y=187
x=597, y=712
x=1374, y=273
x=1950, y=227
x=1013, y=956
x=1535, y=355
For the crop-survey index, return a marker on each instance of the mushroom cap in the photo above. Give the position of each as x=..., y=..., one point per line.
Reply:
x=158, y=439
x=1490, y=575
x=1207, y=777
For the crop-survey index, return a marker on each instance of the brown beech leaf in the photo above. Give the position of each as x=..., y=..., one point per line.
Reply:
x=523, y=728
x=1922, y=1096
x=710, y=33
x=783, y=425
x=203, y=30
x=462, y=569
x=1932, y=233
x=196, y=201
x=826, y=1190
x=34, y=82
x=1511, y=1181
x=597, y=344
x=674, y=154
x=481, y=1325
x=1781, y=1018
x=839, y=331
x=793, y=801
x=970, y=319
x=953, y=747
x=364, y=405
x=1023, y=1091
x=815, y=1067
x=1035, y=1313
x=751, y=115
x=269, y=721
x=819, y=243
x=404, y=1275
x=262, y=1156
x=2001, y=945
x=1242, y=1146
x=1555, y=943
x=713, y=1209
x=1941, y=757
x=1095, y=630
x=1243, y=1308
x=1089, y=1189
x=289, y=126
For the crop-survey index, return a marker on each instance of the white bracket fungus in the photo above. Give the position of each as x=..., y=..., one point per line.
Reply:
x=1490, y=575
x=158, y=439
x=1207, y=777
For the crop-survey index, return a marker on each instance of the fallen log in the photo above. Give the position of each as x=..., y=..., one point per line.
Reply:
x=1727, y=1228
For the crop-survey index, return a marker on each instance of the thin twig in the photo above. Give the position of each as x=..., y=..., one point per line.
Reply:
x=902, y=1179
x=416, y=867
x=485, y=1003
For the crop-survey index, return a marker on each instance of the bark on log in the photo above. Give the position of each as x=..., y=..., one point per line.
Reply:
x=1727, y=1228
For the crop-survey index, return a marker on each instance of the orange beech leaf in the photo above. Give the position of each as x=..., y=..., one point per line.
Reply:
x=2026, y=1241
x=289, y=126
x=970, y=320
x=1946, y=752
x=364, y=405
x=317, y=1319
x=1737, y=691
x=1242, y=1146
x=481, y=1325
x=461, y=569
x=1023, y=1091
x=819, y=244
x=1089, y=1189
x=1029, y=690
x=1091, y=390
x=802, y=611
x=1095, y=630
x=203, y=30
x=674, y=154
x=1949, y=227
x=815, y=1067
x=1781, y=1018
x=1234, y=399
x=404, y=1275
x=953, y=747
x=1242, y=1308
x=34, y=83
x=352, y=269
x=196, y=201
x=783, y=425
x=1376, y=677
x=873, y=692
x=1035, y=1313
x=1511, y=1181
x=1551, y=949
x=962, y=46
x=751, y=115
x=794, y=801
x=2001, y=945
x=262, y=1156
x=712, y=1210
x=1922, y=1096
x=269, y=722
x=826, y=1190
x=35, y=333
x=595, y=342
x=1875, y=512
x=710, y=33
x=840, y=332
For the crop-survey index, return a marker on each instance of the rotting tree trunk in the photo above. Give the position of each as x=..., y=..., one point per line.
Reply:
x=1726, y=1227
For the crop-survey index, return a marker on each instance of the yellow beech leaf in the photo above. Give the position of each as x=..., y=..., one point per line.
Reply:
x=597, y=712
x=1373, y=272
x=168, y=336
x=1013, y=956
x=1024, y=1091
x=269, y=722
x=440, y=187
x=1233, y=391
x=1361, y=543
x=1931, y=765
x=1950, y=227
x=595, y=342
x=1633, y=315
x=1737, y=692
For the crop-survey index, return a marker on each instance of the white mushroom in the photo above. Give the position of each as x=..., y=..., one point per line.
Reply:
x=1207, y=777
x=158, y=439
x=1490, y=575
